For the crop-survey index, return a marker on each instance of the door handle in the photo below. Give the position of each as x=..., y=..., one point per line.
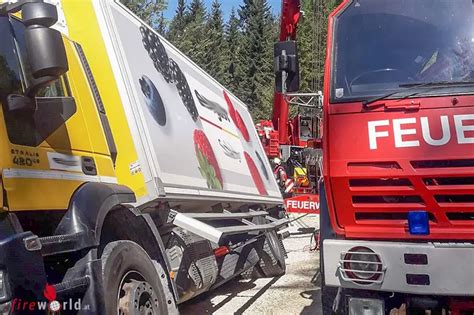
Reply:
x=88, y=165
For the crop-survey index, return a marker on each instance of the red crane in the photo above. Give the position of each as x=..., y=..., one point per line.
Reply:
x=287, y=138
x=290, y=16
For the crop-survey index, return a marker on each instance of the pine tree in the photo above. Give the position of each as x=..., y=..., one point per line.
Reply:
x=234, y=66
x=161, y=24
x=217, y=57
x=197, y=11
x=150, y=11
x=178, y=24
x=256, y=56
x=194, y=40
x=244, y=12
x=306, y=46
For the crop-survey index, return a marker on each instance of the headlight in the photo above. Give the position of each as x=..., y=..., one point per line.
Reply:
x=362, y=265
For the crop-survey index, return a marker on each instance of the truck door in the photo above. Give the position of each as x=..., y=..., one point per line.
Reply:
x=49, y=149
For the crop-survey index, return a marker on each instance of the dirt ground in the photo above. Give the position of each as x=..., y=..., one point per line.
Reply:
x=297, y=292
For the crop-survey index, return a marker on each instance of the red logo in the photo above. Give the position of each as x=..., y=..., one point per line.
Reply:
x=49, y=293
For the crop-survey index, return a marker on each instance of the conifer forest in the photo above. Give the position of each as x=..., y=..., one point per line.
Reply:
x=238, y=51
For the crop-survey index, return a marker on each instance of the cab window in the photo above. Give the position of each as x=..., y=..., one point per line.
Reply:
x=54, y=104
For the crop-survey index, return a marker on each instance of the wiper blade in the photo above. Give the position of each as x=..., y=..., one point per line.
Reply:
x=439, y=83
x=412, y=86
x=378, y=98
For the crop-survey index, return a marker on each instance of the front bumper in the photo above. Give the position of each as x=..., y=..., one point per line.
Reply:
x=449, y=267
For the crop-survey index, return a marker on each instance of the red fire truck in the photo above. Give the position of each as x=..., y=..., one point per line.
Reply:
x=397, y=199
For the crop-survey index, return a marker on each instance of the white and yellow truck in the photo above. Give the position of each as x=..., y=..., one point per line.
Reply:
x=131, y=181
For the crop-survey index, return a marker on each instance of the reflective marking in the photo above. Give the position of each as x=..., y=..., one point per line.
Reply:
x=43, y=174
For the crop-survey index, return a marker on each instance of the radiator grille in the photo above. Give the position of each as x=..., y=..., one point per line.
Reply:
x=379, y=195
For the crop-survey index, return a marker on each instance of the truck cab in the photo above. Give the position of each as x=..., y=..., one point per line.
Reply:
x=45, y=120
x=399, y=155
x=99, y=205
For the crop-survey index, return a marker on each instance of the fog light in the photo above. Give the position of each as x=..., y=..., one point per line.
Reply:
x=362, y=263
x=358, y=306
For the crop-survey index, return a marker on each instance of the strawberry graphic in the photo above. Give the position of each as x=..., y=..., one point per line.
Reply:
x=230, y=106
x=255, y=175
x=208, y=165
x=236, y=118
x=241, y=126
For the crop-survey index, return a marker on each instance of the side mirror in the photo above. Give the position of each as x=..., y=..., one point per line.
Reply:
x=286, y=66
x=44, y=45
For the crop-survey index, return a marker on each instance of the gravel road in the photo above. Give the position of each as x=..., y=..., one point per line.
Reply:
x=297, y=292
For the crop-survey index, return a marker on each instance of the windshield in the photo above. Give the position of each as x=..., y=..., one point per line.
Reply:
x=9, y=71
x=382, y=44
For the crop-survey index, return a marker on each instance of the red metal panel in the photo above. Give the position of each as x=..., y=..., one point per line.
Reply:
x=325, y=134
x=369, y=191
x=373, y=188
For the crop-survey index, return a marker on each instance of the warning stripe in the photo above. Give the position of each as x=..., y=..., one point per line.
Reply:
x=289, y=185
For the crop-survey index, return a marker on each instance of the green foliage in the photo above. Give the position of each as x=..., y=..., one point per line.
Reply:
x=178, y=23
x=233, y=38
x=312, y=36
x=193, y=39
x=208, y=172
x=217, y=54
x=150, y=11
x=256, y=57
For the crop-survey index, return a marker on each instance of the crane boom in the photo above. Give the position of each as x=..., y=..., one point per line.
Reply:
x=290, y=16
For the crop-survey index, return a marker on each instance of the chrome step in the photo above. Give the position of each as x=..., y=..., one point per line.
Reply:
x=226, y=215
x=230, y=230
x=193, y=222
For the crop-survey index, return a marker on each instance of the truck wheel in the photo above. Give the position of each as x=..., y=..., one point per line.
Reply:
x=130, y=280
x=272, y=257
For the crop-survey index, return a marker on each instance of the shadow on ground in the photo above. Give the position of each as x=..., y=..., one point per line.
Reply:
x=235, y=288
x=314, y=295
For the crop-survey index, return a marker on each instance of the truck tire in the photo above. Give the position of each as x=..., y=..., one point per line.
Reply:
x=272, y=257
x=131, y=282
